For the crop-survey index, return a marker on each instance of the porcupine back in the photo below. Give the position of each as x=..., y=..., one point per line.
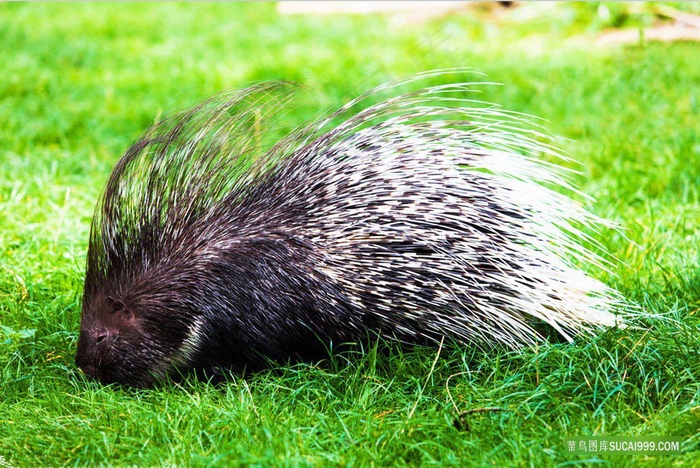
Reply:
x=424, y=216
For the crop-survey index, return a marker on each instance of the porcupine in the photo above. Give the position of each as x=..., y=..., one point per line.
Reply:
x=424, y=216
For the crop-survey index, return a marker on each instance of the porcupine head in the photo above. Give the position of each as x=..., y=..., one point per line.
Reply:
x=222, y=241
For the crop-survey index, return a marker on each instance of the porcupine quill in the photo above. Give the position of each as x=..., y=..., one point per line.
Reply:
x=424, y=216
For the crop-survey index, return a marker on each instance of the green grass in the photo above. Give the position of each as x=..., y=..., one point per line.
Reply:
x=79, y=82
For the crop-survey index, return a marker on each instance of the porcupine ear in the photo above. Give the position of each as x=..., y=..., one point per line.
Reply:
x=180, y=168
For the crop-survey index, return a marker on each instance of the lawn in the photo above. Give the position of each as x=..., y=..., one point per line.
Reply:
x=80, y=82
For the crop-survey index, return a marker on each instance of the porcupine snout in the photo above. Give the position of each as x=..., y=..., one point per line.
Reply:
x=95, y=345
x=109, y=336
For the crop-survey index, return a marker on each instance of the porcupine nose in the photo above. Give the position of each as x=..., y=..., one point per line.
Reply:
x=84, y=360
x=90, y=370
x=91, y=346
